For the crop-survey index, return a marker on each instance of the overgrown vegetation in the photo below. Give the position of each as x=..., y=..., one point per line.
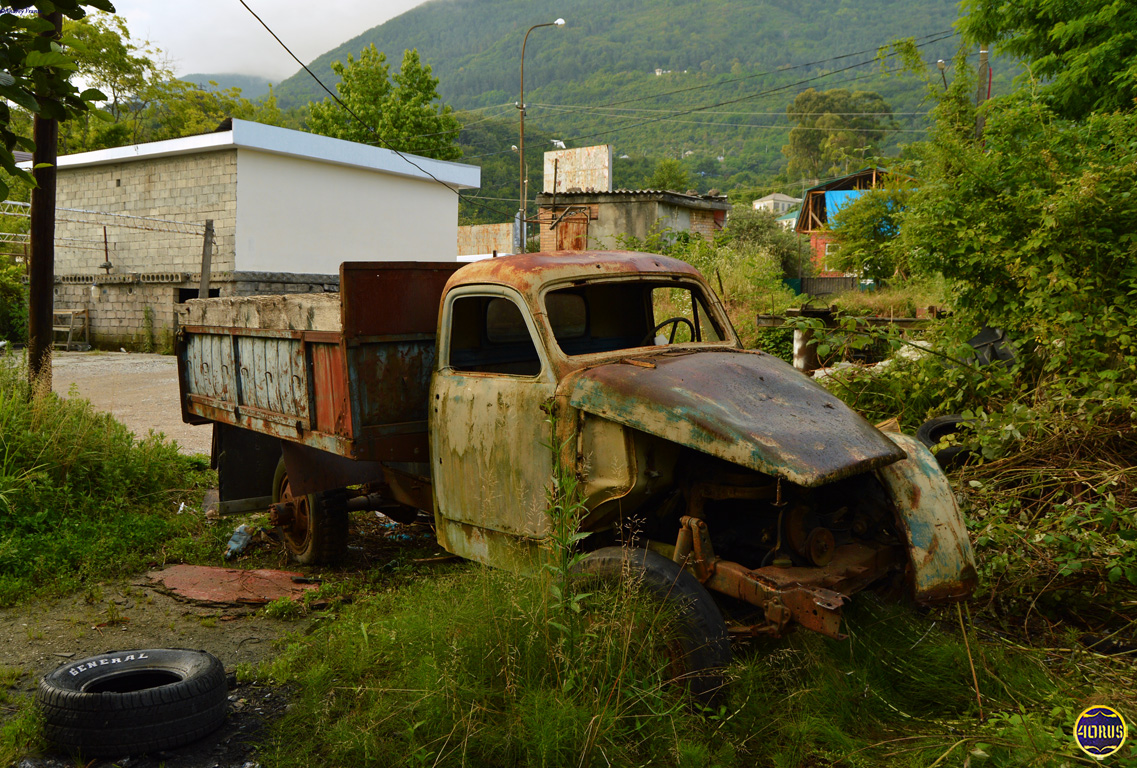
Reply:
x=81, y=499
x=13, y=302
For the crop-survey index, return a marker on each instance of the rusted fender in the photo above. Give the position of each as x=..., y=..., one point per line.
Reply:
x=748, y=408
x=943, y=565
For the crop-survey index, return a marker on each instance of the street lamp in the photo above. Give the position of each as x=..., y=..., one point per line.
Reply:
x=523, y=198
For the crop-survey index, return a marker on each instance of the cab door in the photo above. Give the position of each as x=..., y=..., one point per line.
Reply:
x=489, y=434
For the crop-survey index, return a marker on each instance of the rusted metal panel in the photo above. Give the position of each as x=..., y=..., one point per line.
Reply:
x=391, y=298
x=942, y=562
x=329, y=375
x=491, y=455
x=747, y=408
x=580, y=168
x=487, y=546
x=311, y=470
x=572, y=233
x=480, y=239
x=396, y=390
x=229, y=586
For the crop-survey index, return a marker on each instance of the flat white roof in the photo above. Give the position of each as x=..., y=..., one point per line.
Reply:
x=289, y=143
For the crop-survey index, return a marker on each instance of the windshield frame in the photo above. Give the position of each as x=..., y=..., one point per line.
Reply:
x=711, y=303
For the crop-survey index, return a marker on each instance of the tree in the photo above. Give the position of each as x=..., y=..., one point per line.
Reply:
x=867, y=230
x=1034, y=227
x=144, y=101
x=401, y=115
x=669, y=175
x=758, y=232
x=39, y=71
x=833, y=129
x=1084, y=54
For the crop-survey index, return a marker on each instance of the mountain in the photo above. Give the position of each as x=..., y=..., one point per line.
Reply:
x=706, y=81
x=252, y=87
x=474, y=46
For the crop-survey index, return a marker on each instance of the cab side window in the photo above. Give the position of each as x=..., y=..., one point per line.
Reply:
x=488, y=334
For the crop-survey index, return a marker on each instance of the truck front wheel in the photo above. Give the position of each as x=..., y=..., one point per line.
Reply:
x=316, y=531
x=693, y=637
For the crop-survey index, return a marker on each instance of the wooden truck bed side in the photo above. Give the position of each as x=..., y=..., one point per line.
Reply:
x=347, y=374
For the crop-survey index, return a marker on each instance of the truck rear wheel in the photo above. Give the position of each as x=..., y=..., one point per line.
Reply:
x=317, y=530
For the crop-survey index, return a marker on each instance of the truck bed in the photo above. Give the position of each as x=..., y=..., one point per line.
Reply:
x=344, y=373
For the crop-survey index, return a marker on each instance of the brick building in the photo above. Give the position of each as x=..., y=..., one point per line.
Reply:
x=286, y=208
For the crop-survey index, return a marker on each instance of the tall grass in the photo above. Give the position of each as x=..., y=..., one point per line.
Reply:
x=81, y=498
x=466, y=669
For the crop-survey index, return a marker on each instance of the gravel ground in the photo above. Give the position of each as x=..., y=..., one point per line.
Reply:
x=140, y=390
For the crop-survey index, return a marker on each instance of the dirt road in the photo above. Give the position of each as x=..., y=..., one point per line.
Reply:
x=140, y=390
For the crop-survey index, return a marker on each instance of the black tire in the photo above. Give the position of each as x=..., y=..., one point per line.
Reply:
x=318, y=530
x=933, y=430
x=133, y=702
x=703, y=651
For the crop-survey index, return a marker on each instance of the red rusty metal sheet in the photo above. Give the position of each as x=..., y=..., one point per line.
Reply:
x=230, y=585
x=391, y=298
x=333, y=410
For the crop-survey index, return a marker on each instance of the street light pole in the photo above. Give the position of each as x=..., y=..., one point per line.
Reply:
x=522, y=196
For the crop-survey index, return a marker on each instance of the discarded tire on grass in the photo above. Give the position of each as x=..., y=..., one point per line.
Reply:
x=133, y=702
x=701, y=645
x=933, y=430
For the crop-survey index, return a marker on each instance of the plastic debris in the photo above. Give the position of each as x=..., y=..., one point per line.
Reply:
x=238, y=541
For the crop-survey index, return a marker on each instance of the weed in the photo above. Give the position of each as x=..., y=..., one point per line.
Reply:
x=285, y=609
x=147, y=340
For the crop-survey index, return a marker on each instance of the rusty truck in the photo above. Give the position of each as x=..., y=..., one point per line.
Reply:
x=461, y=391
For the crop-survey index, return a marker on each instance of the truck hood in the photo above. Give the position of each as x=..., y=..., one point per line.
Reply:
x=747, y=408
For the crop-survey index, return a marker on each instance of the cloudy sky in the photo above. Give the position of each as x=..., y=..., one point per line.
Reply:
x=218, y=36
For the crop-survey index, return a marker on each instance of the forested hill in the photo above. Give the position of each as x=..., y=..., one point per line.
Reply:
x=474, y=45
x=727, y=71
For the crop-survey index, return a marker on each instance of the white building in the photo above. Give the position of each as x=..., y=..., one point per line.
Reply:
x=287, y=207
x=776, y=203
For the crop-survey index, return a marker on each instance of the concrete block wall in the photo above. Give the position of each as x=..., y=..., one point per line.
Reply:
x=118, y=309
x=185, y=188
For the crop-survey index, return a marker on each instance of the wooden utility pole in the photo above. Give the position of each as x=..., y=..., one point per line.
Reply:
x=206, y=259
x=41, y=272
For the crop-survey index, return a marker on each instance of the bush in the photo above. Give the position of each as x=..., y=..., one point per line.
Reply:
x=80, y=497
x=13, y=303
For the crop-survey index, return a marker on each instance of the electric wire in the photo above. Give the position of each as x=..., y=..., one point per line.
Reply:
x=937, y=37
x=351, y=112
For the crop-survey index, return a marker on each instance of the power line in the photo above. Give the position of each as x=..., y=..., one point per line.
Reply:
x=768, y=92
x=351, y=112
x=940, y=35
x=670, y=116
x=669, y=119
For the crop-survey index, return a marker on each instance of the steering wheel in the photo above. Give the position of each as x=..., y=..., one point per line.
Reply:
x=674, y=323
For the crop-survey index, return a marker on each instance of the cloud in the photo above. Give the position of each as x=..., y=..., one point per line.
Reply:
x=220, y=36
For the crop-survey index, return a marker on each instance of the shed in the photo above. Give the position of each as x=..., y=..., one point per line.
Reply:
x=578, y=221
x=287, y=208
x=822, y=200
